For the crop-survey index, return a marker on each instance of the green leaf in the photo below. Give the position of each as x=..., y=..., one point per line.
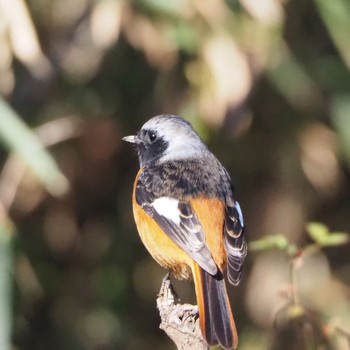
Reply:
x=278, y=241
x=19, y=139
x=336, y=238
x=336, y=17
x=6, y=266
x=340, y=110
x=318, y=232
x=292, y=80
x=323, y=237
x=170, y=8
x=295, y=312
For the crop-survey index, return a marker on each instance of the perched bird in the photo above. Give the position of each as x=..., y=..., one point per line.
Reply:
x=187, y=217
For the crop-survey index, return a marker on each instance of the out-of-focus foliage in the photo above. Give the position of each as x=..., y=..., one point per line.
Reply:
x=309, y=302
x=22, y=142
x=267, y=85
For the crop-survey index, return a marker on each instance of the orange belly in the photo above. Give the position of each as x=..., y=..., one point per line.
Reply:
x=160, y=246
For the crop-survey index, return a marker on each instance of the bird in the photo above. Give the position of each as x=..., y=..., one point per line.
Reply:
x=188, y=219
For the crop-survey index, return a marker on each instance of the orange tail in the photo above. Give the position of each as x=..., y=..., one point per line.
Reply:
x=215, y=314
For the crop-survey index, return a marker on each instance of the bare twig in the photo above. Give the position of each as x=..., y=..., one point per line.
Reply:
x=179, y=321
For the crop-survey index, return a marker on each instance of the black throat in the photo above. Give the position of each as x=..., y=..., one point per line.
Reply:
x=149, y=154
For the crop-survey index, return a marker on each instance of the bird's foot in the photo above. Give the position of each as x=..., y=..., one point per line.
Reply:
x=167, y=292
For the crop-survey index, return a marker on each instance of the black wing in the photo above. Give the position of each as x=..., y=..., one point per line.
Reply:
x=182, y=226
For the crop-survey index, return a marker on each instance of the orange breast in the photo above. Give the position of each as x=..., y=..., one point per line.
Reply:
x=166, y=252
x=159, y=245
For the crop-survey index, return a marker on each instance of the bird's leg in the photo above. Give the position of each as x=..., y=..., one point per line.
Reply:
x=166, y=277
x=167, y=292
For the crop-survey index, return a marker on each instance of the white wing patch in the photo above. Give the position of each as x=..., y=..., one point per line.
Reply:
x=240, y=214
x=167, y=207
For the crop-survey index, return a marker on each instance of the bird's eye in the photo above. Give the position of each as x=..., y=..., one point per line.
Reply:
x=152, y=136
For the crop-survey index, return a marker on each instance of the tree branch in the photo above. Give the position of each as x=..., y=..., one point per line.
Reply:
x=179, y=321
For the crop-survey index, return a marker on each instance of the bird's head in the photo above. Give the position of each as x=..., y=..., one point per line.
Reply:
x=166, y=138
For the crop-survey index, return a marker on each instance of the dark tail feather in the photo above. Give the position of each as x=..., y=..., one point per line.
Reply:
x=216, y=318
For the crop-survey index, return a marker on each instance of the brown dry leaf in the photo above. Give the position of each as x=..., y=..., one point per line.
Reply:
x=105, y=23
x=269, y=12
x=150, y=37
x=230, y=79
x=319, y=158
x=24, y=39
x=7, y=79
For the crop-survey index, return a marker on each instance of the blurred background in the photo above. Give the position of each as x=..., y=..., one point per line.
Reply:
x=266, y=84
